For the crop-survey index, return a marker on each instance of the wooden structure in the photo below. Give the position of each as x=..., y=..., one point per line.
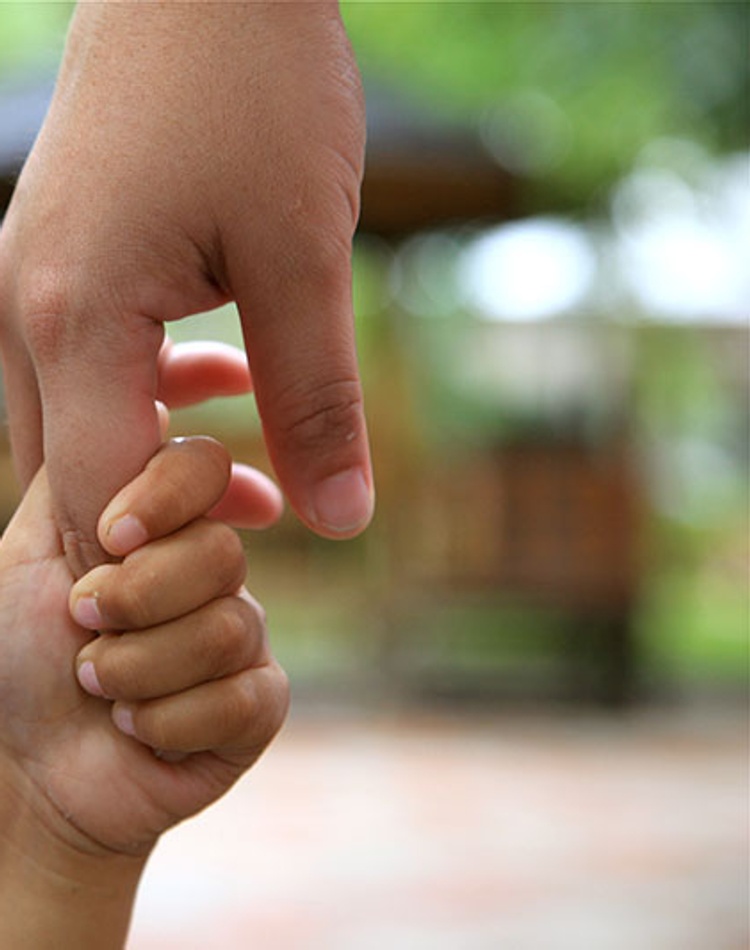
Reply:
x=552, y=526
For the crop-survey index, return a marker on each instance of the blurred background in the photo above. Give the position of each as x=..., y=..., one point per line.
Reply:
x=521, y=698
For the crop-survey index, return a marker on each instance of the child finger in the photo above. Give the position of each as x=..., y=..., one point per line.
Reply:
x=237, y=715
x=161, y=581
x=183, y=481
x=222, y=638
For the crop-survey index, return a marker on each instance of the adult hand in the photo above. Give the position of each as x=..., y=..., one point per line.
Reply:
x=189, y=673
x=193, y=153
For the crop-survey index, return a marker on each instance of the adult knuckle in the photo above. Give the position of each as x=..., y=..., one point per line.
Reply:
x=314, y=237
x=331, y=414
x=46, y=304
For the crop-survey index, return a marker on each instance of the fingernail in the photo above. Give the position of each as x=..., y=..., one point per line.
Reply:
x=86, y=613
x=125, y=535
x=343, y=502
x=123, y=719
x=88, y=679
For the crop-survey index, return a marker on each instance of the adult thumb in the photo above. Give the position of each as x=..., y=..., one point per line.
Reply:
x=297, y=320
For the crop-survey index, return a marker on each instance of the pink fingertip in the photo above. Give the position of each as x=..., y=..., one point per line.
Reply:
x=125, y=535
x=88, y=679
x=123, y=719
x=86, y=613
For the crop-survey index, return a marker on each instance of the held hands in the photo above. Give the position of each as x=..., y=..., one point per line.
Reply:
x=193, y=153
x=107, y=741
x=173, y=703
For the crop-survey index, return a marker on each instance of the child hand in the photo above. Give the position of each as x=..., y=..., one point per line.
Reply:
x=184, y=667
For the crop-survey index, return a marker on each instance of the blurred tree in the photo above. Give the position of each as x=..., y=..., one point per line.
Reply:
x=567, y=92
x=31, y=34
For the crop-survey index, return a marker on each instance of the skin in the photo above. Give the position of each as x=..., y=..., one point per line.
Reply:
x=194, y=153
x=185, y=669
x=169, y=707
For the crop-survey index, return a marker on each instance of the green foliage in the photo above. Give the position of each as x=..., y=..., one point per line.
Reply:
x=600, y=79
x=31, y=33
x=694, y=628
x=580, y=86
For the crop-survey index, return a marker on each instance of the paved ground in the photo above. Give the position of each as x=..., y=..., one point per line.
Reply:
x=512, y=831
